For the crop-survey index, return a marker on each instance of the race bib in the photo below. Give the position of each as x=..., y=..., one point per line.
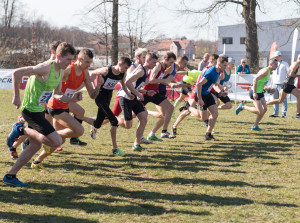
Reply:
x=44, y=96
x=110, y=84
x=140, y=86
x=69, y=92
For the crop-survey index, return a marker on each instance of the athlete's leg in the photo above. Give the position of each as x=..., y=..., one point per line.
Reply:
x=213, y=109
x=262, y=109
x=282, y=96
x=142, y=116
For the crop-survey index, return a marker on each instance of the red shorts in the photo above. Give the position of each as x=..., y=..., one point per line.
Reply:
x=117, y=108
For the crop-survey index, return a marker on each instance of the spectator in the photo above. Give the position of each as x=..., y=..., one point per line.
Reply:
x=204, y=62
x=278, y=77
x=243, y=68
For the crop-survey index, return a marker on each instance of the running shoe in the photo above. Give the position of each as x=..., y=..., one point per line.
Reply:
x=154, y=138
x=214, y=131
x=210, y=137
x=256, y=128
x=118, y=152
x=273, y=116
x=77, y=141
x=20, y=119
x=13, y=182
x=167, y=135
x=13, y=153
x=145, y=141
x=138, y=148
x=239, y=108
x=185, y=106
x=174, y=130
x=38, y=166
x=25, y=144
x=297, y=116
x=14, y=134
x=93, y=132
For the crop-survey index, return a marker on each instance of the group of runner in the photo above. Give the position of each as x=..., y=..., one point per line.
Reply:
x=52, y=92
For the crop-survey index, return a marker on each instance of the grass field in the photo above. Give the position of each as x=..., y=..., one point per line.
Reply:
x=245, y=177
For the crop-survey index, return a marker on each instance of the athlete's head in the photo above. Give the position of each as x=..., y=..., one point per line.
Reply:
x=222, y=63
x=85, y=58
x=231, y=62
x=206, y=57
x=53, y=47
x=124, y=63
x=64, y=54
x=213, y=59
x=151, y=60
x=273, y=63
x=76, y=55
x=182, y=61
x=169, y=58
x=140, y=55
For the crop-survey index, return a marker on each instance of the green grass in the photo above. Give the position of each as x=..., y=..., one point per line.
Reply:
x=245, y=177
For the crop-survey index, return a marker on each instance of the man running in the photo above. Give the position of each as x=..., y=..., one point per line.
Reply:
x=134, y=82
x=66, y=125
x=111, y=75
x=257, y=94
x=45, y=77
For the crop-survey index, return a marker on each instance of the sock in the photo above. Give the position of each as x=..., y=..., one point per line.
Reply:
x=164, y=131
x=151, y=134
x=12, y=149
x=10, y=176
x=36, y=162
x=80, y=121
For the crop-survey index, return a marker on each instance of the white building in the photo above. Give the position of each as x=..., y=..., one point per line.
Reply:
x=279, y=31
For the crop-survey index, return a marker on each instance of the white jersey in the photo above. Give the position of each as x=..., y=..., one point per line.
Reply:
x=281, y=73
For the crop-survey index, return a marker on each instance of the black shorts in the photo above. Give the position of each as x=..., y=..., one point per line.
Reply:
x=162, y=92
x=185, y=90
x=53, y=112
x=38, y=122
x=223, y=99
x=259, y=95
x=207, y=99
x=287, y=88
x=130, y=105
x=156, y=99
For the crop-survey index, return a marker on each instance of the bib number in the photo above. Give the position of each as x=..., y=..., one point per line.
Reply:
x=110, y=84
x=69, y=92
x=44, y=96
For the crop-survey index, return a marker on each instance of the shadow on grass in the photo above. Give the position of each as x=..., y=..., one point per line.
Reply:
x=17, y=217
x=280, y=205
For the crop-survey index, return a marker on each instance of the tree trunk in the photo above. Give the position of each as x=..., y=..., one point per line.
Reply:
x=251, y=43
x=114, y=50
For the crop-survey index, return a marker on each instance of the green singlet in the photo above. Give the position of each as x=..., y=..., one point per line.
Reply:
x=261, y=83
x=37, y=92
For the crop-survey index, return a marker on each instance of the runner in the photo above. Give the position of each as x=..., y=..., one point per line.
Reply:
x=112, y=75
x=66, y=125
x=257, y=94
x=45, y=77
x=288, y=87
x=134, y=82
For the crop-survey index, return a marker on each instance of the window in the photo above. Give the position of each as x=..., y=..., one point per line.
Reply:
x=227, y=40
x=242, y=40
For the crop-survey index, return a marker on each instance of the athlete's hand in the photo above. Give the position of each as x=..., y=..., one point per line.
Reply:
x=140, y=97
x=151, y=93
x=169, y=69
x=100, y=81
x=255, y=96
x=130, y=96
x=186, y=85
x=223, y=93
x=17, y=102
x=77, y=97
x=201, y=103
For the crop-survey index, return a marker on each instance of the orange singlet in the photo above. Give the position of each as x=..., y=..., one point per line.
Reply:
x=68, y=88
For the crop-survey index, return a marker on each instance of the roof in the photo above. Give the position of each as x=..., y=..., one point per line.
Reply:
x=177, y=44
x=165, y=44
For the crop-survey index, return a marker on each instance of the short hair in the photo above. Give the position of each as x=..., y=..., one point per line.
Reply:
x=214, y=56
x=54, y=45
x=222, y=59
x=170, y=55
x=242, y=60
x=140, y=51
x=182, y=58
x=151, y=56
x=273, y=60
x=205, y=55
x=86, y=52
x=65, y=48
x=125, y=60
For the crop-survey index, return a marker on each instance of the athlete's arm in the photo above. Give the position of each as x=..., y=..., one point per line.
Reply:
x=132, y=79
x=199, y=91
x=100, y=71
x=58, y=95
x=124, y=87
x=91, y=89
x=41, y=69
x=153, y=74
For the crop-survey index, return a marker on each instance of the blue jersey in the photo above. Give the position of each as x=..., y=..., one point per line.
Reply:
x=162, y=86
x=212, y=77
x=226, y=78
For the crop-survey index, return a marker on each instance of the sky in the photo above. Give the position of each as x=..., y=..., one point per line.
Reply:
x=163, y=15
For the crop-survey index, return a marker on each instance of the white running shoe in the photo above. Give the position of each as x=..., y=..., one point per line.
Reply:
x=167, y=135
x=93, y=132
x=145, y=141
